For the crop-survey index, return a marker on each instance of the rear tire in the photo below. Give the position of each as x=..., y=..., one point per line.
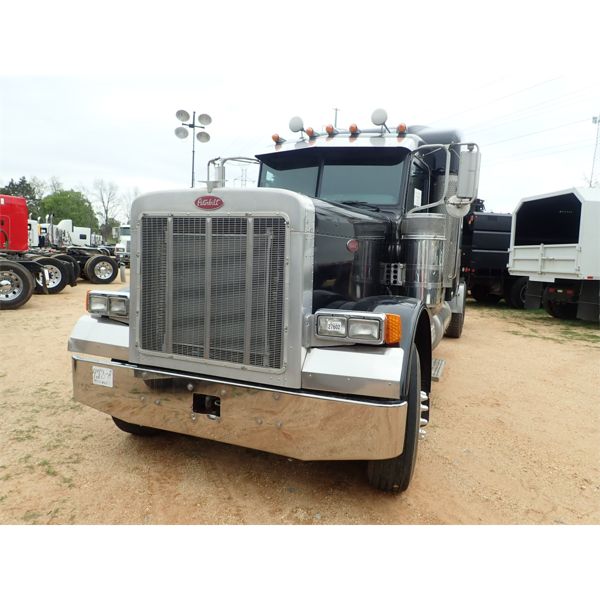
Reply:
x=58, y=276
x=101, y=269
x=16, y=285
x=67, y=258
x=559, y=310
x=134, y=429
x=482, y=295
x=395, y=474
x=515, y=296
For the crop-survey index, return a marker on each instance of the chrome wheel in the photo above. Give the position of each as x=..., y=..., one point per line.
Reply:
x=54, y=277
x=11, y=286
x=103, y=270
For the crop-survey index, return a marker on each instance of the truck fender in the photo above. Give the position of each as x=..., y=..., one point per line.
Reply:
x=416, y=328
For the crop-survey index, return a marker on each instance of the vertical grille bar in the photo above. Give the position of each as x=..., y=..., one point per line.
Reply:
x=207, y=286
x=248, y=299
x=168, y=343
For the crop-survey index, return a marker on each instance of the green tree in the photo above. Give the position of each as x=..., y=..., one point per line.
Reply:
x=28, y=191
x=69, y=204
x=106, y=230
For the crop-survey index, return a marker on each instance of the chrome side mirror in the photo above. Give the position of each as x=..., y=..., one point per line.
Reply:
x=468, y=173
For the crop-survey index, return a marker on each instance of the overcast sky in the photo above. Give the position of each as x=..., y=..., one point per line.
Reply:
x=92, y=93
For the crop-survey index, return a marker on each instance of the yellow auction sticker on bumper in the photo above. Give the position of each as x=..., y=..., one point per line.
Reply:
x=102, y=376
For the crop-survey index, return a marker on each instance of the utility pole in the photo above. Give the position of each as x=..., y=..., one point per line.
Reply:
x=596, y=121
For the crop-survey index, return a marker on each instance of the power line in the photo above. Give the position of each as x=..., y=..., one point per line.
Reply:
x=525, y=156
x=552, y=102
x=488, y=102
x=518, y=137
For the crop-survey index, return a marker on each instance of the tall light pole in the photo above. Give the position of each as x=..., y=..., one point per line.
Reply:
x=596, y=121
x=202, y=136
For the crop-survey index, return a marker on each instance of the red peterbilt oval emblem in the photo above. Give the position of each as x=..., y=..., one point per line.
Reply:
x=209, y=202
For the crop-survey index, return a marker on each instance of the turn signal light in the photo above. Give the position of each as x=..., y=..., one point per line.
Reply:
x=393, y=329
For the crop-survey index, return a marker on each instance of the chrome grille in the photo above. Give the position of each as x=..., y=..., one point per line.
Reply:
x=213, y=288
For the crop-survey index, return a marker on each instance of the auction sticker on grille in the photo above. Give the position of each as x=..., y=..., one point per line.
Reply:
x=102, y=376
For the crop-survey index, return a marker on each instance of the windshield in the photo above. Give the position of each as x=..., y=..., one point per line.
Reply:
x=301, y=180
x=338, y=175
x=124, y=230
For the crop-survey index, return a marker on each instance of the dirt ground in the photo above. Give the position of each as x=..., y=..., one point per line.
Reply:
x=514, y=438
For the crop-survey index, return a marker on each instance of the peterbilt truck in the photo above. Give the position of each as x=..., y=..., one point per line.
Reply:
x=298, y=317
x=555, y=244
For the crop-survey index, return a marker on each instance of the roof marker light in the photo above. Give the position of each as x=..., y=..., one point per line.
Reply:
x=331, y=130
x=310, y=132
x=401, y=129
x=354, y=130
x=277, y=138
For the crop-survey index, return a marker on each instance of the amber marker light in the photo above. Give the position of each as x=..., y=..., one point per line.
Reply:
x=393, y=329
x=310, y=132
x=401, y=129
x=330, y=129
x=277, y=138
x=353, y=129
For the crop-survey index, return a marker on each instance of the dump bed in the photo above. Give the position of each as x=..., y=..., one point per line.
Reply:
x=555, y=236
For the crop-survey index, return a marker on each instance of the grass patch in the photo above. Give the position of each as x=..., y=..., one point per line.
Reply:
x=31, y=516
x=23, y=435
x=48, y=468
x=539, y=324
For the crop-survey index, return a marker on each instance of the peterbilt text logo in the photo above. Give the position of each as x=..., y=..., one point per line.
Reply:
x=209, y=202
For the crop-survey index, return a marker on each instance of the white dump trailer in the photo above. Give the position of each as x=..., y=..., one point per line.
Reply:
x=555, y=242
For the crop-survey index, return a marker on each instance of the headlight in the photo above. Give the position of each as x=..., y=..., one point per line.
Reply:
x=364, y=329
x=328, y=325
x=118, y=306
x=108, y=304
x=97, y=304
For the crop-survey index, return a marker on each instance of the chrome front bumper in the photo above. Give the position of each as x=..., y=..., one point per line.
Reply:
x=306, y=426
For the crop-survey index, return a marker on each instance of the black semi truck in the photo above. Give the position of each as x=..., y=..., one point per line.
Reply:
x=484, y=258
x=298, y=317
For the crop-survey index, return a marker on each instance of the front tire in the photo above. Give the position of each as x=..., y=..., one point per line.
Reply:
x=134, y=429
x=16, y=284
x=394, y=474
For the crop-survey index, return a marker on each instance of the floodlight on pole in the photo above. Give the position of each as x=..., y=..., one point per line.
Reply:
x=202, y=136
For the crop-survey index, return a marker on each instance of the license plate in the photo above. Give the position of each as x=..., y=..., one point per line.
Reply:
x=102, y=376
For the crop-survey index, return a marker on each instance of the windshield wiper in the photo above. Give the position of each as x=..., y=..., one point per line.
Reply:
x=361, y=204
